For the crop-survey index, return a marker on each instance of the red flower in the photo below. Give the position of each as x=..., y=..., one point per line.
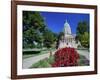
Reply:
x=65, y=57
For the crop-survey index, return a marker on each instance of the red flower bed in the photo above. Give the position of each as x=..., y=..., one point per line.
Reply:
x=65, y=57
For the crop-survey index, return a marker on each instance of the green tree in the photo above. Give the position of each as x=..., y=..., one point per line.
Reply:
x=82, y=27
x=33, y=28
x=85, y=39
x=49, y=38
x=82, y=33
x=60, y=35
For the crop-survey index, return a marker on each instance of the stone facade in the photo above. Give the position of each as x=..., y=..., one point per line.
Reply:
x=69, y=38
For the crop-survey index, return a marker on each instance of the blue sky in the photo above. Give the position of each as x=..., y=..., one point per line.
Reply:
x=55, y=21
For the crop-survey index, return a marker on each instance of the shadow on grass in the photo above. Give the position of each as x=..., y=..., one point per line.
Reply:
x=83, y=61
x=31, y=52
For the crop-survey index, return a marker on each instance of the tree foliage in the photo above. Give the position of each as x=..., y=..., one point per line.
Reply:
x=35, y=31
x=85, y=39
x=49, y=38
x=83, y=33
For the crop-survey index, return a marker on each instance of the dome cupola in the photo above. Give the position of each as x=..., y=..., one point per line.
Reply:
x=67, y=29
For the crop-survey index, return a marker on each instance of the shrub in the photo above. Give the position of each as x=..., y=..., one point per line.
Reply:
x=66, y=57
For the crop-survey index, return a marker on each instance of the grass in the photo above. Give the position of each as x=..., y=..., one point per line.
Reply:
x=31, y=52
x=28, y=54
x=83, y=61
x=44, y=63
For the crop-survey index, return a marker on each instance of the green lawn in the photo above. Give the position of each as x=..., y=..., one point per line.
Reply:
x=28, y=54
x=83, y=61
x=44, y=63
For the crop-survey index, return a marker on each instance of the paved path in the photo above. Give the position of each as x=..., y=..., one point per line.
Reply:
x=84, y=53
x=25, y=50
x=31, y=60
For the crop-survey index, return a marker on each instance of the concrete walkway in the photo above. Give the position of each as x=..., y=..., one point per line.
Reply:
x=31, y=60
x=84, y=53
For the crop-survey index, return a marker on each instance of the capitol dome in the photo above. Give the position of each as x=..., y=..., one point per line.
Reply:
x=69, y=38
x=67, y=29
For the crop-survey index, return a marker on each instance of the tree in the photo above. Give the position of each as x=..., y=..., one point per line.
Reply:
x=35, y=30
x=82, y=33
x=82, y=27
x=59, y=37
x=85, y=39
x=33, y=27
x=49, y=38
